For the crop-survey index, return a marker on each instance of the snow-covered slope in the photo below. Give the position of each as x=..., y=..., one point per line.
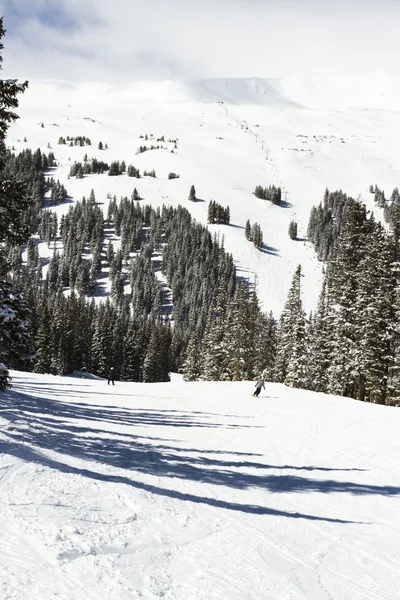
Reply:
x=302, y=135
x=195, y=491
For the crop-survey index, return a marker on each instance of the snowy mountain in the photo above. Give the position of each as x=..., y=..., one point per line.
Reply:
x=302, y=135
x=195, y=491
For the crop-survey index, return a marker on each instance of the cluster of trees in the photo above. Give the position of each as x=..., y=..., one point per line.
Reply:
x=58, y=192
x=79, y=140
x=31, y=169
x=218, y=214
x=326, y=223
x=254, y=234
x=133, y=172
x=87, y=167
x=239, y=342
x=117, y=168
x=79, y=169
x=352, y=341
x=271, y=193
x=74, y=334
x=159, y=139
x=65, y=342
x=173, y=175
x=390, y=206
x=142, y=149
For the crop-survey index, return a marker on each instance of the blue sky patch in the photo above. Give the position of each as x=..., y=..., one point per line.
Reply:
x=51, y=14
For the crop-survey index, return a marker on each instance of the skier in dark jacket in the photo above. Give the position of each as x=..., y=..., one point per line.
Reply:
x=260, y=384
x=111, y=376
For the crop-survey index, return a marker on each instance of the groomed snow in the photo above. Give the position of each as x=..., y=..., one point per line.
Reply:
x=195, y=491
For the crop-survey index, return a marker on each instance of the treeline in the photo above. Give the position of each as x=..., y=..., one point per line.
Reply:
x=131, y=329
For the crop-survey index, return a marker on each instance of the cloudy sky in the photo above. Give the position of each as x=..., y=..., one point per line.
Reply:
x=124, y=40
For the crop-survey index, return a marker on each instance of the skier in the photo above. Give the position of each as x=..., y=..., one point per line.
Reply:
x=260, y=383
x=111, y=376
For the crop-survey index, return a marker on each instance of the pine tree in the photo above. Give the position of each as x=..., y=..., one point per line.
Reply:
x=293, y=230
x=214, y=351
x=319, y=342
x=265, y=346
x=247, y=230
x=291, y=339
x=192, y=193
x=191, y=367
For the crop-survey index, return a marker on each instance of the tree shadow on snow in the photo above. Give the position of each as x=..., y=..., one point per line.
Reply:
x=37, y=425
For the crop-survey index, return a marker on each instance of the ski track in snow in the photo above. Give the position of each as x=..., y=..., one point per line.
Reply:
x=195, y=490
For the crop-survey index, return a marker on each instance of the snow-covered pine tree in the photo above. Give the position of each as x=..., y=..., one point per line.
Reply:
x=393, y=387
x=343, y=285
x=373, y=316
x=319, y=342
x=214, y=350
x=297, y=375
x=289, y=334
x=191, y=364
x=265, y=346
x=156, y=364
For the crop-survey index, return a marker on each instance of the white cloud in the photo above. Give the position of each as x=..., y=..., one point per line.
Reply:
x=124, y=40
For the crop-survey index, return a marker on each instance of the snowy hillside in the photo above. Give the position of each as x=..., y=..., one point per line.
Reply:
x=232, y=136
x=195, y=491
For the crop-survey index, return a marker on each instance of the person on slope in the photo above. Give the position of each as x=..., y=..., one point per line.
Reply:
x=111, y=376
x=260, y=384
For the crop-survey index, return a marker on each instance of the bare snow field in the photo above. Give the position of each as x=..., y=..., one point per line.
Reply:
x=195, y=491
x=302, y=135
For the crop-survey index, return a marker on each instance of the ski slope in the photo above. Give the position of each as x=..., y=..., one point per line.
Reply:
x=195, y=491
x=233, y=134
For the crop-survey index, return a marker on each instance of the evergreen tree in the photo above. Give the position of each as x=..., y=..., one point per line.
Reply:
x=191, y=367
x=293, y=230
x=192, y=193
x=290, y=338
x=265, y=346
x=247, y=230
x=319, y=342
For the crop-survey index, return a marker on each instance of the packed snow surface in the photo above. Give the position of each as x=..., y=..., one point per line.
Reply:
x=195, y=491
x=232, y=135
